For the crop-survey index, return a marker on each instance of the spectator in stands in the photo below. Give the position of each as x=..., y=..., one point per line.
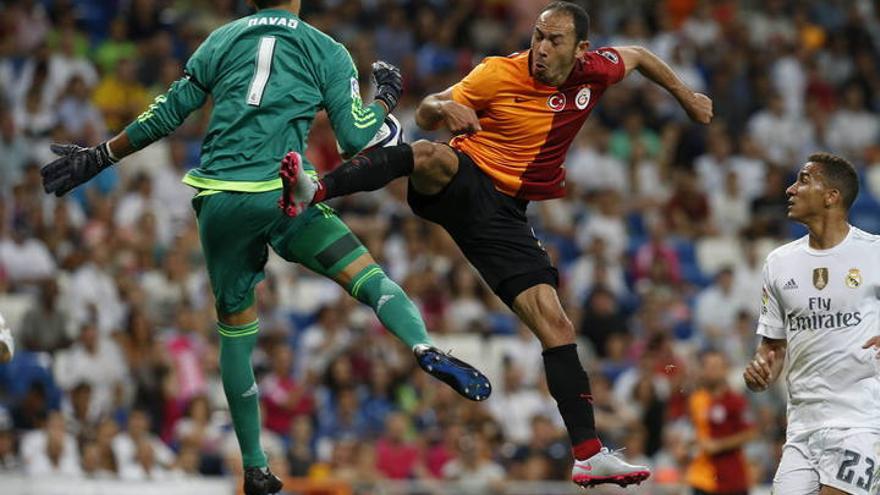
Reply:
x=466, y=307
x=9, y=460
x=200, y=430
x=397, y=457
x=92, y=292
x=137, y=450
x=722, y=424
x=90, y=454
x=44, y=327
x=96, y=361
x=25, y=259
x=120, y=96
x=51, y=450
x=14, y=149
x=301, y=446
x=322, y=342
x=31, y=410
x=473, y=469
x=602, y=318
x=769, y=210
x=283, y=397
x=716, y=309
x=80, y=414
x=605, y=221
x=117, y=46
x=657, y=252
x=784, y=137
x=730, y=208
x=688, y=211
x=144, y=465
x=378, y=402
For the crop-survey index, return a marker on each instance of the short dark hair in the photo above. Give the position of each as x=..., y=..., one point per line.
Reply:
x=578, y=14
x=839, y=173
x=262, y=4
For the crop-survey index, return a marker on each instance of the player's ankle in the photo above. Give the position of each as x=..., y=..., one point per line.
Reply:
x=320, y=192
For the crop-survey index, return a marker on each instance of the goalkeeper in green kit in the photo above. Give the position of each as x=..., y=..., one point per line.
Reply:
x=268, y=75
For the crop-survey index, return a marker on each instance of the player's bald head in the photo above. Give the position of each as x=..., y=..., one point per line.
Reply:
x=579, y=17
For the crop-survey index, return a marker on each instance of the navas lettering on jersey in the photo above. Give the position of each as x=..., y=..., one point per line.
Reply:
x=273, y=21
x=821, y=317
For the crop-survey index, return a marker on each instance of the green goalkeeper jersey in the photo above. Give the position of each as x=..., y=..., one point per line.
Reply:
x=268, y=75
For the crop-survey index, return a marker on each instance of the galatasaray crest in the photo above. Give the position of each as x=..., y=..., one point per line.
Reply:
x=820, y=278
x=853, y=278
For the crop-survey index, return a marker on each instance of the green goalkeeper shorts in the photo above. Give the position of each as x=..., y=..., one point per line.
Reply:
x=236, y=230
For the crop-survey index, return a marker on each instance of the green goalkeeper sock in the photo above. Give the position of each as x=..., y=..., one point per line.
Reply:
x=236, y=344
x=395, y=310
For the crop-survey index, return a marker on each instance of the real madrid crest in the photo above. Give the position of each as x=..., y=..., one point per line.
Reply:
x=820, y=278
x=853, y=278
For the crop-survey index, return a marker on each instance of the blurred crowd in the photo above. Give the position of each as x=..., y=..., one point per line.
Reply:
x=660, y=243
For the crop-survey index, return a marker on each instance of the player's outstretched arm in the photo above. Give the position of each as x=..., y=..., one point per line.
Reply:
x=77, y=165
x=439, y=109
x=697, y=105
x=765, y=368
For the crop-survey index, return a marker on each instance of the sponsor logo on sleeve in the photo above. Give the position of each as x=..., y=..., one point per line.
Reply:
x=355, y=88
x=611, y=56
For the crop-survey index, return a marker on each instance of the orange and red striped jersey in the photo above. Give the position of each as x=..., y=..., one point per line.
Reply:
x=717, y=417
x=527, y=127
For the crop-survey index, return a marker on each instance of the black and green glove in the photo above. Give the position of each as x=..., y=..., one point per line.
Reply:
x=76, y=165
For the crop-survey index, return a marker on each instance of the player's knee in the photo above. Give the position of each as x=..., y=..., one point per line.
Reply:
x=561, y=329
x=433, y=159
x=555, y=329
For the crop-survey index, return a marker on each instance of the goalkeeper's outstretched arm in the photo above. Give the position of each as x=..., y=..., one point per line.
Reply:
x=77, y=165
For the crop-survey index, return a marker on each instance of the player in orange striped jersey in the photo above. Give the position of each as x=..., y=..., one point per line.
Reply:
x=514, y=119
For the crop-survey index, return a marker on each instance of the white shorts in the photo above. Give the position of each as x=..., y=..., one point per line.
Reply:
x=844, y=458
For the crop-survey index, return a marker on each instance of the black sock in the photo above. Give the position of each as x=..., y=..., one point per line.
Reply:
x=367, y=172
x=570, y=387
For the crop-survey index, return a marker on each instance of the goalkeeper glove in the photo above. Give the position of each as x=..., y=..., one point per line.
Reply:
x=389, y=84
x=75, y=166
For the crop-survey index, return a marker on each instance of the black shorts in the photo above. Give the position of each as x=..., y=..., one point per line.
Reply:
x=490, y=228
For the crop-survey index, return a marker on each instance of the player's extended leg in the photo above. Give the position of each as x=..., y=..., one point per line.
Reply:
x=238, y=336
x=325, y=245
x=540, y=309
x=367, y=282
x=232, y=230
x=431, y=166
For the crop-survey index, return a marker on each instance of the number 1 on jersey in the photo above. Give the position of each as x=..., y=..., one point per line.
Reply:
x=264, y=68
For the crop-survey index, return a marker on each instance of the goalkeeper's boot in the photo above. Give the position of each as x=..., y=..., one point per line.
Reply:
x=7, y=343
x=261, y=481
x=607, y=467
x=462, y=377
x=299, y=187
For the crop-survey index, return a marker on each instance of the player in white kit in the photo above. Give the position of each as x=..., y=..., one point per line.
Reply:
x=820, y=305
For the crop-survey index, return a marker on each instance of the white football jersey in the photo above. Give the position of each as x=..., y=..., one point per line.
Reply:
x=826, y=303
